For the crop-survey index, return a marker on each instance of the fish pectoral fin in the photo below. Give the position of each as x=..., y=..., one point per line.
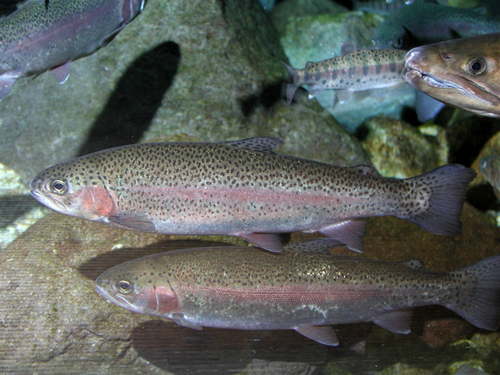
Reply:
x=141, y=222
x=61, y=72
x=5, y=85
x=426, y=106
x=343, y=95
x=323, y=334
x=182, y=321
x=262, y=144
x=396, y=321
x=318, y=246
x=267, y=241
x=350, y=232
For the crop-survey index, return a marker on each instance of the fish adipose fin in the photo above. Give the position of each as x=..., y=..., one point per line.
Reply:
x=141, y=223
x=349, y=232
x=323, y=334
x=395, y=321
x=479, y=300
x=448, y=185
x=261, y=144
x=267, y=241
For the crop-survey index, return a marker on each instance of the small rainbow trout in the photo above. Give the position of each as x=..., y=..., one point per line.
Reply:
x=48, y=35
x=462, y=73
x=244, y=288
x=242, y=188
x=356, y=71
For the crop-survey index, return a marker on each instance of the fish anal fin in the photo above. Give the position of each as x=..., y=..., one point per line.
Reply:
x=349, y=232
x=61, y=72
x=141, y=223
x=396, y=321
x=261, y=144
x=267, y=241
x=182, y=321
x=323, y=334
x=5, y=85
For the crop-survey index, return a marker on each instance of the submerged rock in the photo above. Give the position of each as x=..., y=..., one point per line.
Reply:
x=210, y=69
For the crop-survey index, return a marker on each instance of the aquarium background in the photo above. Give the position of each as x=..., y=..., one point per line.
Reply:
x=211, y=71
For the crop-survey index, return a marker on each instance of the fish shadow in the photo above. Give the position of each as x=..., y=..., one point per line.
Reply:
x=136, y=99
x=95, y=266
x=269, y=96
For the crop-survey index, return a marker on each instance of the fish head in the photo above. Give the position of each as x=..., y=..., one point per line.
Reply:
x=463, y=73
x=138, y=286
x=390, y=36
x=490, y=168
x=75, y=188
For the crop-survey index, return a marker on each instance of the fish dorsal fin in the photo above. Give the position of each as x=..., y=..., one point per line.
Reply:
x=267, y=241
x=261, y=144
x=323, y=334
x=347, y=48
x=137, y=222
x=319, y=246
x=415, y=264
x=350, y=232
x=182, y=321
x=395, y=321
x=61, y=72
x=365, y=169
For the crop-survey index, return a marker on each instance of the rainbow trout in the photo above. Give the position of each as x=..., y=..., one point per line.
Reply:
x=48, y=35
x=462, y=73
x=356, y=71
x=244, y=288
x=425, y=23
x=242, y=188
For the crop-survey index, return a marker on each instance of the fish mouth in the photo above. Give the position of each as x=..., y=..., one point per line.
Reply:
x=49, y=201
x=415, y=77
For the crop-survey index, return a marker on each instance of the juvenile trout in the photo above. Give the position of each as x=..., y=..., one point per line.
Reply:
x=242, y=188
x=462, y=73
x=244, y=288
x=48, y=35
x=425, y=23
x=355, y=71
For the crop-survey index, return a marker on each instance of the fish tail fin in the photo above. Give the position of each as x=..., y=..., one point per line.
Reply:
x=479, y=300
x=447, y=186
x=292, y=87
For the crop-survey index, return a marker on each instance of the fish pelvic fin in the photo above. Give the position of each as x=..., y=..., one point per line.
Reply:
x=479, y=300
x=448, y=186
x=292, y=87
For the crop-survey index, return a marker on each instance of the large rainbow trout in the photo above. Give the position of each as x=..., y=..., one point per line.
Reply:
x=242, y=188
x=356, y=71
x=48, y=35
x=462, y=73
x=244, y=288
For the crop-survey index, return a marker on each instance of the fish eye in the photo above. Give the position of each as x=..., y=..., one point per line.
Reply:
x=124, y=287
x=59, y=186
x=477, y=66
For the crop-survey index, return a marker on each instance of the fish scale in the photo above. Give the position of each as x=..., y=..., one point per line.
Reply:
x=244, y=288
x=355, y=71
x=244, y=189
